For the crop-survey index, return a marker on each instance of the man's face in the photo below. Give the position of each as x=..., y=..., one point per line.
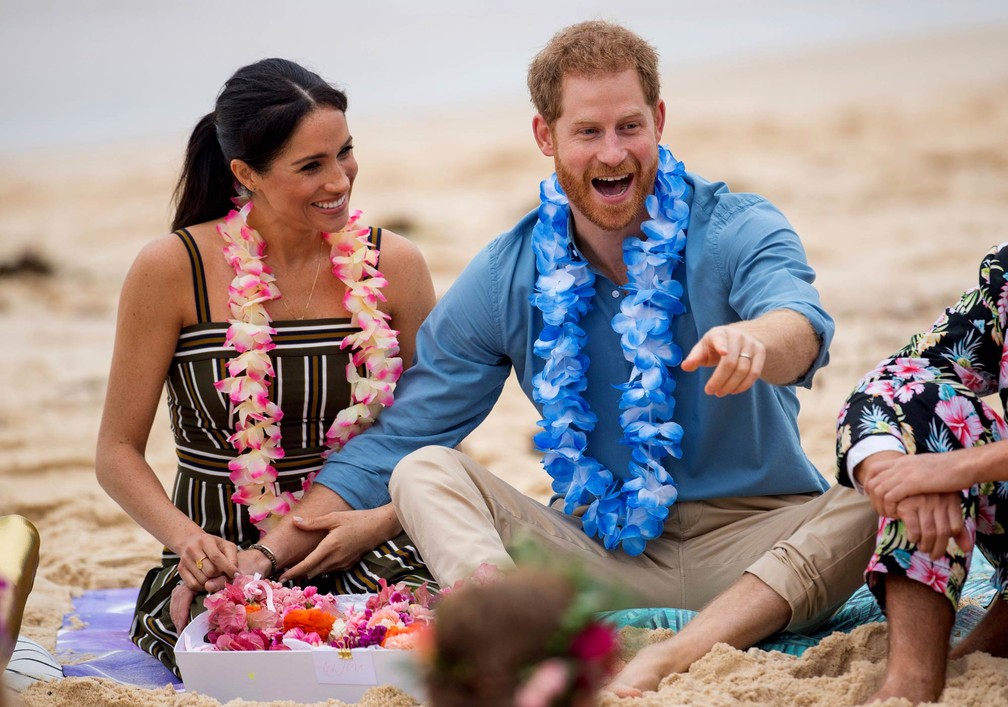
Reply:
x=605, y=147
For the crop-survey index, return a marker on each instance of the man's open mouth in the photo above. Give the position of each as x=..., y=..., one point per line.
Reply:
x=612, y=186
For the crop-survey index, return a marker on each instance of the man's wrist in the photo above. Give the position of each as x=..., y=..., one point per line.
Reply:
x=870, y=464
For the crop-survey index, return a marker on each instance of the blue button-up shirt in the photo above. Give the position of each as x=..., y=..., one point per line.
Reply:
x=742, y=260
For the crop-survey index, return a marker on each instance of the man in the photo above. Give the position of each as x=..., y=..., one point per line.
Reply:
x=918, y=438
x=683, y=477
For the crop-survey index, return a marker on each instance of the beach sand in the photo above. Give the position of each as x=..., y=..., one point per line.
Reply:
x=891, y=161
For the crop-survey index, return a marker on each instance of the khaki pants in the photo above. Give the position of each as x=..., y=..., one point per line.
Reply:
x=811, y=550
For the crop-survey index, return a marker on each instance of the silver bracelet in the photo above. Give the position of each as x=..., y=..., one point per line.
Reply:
x=268, y=554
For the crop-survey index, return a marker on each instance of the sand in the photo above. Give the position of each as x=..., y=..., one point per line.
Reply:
x=890, y=160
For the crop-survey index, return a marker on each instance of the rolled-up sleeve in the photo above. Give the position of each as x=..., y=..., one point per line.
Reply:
x=766, y=269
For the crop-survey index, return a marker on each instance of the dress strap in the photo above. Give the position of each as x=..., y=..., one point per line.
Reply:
x=374, y=238
x=199, y=276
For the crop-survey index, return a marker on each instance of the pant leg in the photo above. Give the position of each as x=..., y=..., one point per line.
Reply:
x=940, y=416
x=460, y=515
x=992, y=532
x=819, y=561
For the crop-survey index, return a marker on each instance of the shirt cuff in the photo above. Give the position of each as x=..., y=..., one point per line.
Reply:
x=864, y=449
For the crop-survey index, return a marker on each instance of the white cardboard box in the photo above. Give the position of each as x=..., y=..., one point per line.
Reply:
x=310, y=674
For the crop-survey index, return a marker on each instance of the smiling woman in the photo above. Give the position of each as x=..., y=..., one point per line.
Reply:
x=269, y=365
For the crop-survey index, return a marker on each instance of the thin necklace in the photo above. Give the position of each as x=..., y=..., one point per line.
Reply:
x=318, y=267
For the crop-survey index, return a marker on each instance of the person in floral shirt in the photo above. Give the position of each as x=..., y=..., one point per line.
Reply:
x=917, y=436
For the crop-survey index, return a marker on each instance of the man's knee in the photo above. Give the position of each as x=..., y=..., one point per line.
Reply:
x=820, y=566
x=412, y=469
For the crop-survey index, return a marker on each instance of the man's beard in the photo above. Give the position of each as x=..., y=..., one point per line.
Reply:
x=580, y=192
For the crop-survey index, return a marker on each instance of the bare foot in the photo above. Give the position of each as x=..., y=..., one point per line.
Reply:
x=989, y=636
x=912, y=688
x=644, y=672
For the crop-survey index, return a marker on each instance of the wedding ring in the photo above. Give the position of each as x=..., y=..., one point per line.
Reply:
x=199, y=563
x=745, y=355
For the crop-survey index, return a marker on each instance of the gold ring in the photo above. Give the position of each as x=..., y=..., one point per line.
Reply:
x=199, y=563
x=745, y=355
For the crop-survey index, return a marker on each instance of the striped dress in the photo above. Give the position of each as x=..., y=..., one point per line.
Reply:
x=310, y=387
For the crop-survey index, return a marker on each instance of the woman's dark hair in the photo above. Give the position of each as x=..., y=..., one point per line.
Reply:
x=257, y=111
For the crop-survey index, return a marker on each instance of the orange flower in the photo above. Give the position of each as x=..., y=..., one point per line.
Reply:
x=310, y=621
x=251, y=608
x=404, y=637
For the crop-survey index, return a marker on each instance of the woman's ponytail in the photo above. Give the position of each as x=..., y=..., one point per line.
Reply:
x=206, y=185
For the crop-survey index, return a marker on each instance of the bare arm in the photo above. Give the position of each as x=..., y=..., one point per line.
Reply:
x=147, y=328
x=410, y=292
x=779, y=347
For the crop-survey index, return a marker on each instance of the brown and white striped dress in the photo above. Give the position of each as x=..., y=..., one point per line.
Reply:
x=310, y=387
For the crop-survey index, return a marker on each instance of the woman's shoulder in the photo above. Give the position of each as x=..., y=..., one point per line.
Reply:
x=393, y=245
x=399, y=255
x=165, y=261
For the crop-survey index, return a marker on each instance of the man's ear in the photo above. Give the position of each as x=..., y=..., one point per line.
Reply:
x=543, y=135
x=659, y=118
x=244, y=174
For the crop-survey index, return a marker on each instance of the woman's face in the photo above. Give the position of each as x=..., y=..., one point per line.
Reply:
x=307, y=186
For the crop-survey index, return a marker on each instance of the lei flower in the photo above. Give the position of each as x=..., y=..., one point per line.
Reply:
x=251, y=613
x=621, y=511
x=257, y=437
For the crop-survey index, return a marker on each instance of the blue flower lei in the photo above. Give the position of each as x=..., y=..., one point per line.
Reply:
x=621, y=511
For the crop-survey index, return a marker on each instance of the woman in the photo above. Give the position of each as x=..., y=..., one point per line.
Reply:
x=251, y=316
x=932, y=456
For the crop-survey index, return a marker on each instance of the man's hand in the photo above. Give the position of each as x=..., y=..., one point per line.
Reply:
x=349, y=534
x=896, y=478
x=931, y=520
x=738, y=355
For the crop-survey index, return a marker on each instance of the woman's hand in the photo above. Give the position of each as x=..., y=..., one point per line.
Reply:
x=181, y=603
x=895, y=478
x=206, y=557
x=349, y=534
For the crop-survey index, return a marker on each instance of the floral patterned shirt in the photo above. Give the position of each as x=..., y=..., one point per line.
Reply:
x=963, y=352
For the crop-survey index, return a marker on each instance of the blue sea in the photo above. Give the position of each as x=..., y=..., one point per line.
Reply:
x=79, y=73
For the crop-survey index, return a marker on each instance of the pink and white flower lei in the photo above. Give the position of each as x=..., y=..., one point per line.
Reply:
x=374, y=347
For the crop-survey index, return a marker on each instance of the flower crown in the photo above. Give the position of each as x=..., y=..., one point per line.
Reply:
x=579, y=663
x=576, y=659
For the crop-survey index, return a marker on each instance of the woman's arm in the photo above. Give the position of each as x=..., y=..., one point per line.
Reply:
x=150, y=317
x=410, y=292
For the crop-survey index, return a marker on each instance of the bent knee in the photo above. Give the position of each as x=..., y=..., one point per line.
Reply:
x=418, y=468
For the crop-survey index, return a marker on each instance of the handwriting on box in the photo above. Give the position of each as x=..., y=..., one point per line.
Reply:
x=331, y=668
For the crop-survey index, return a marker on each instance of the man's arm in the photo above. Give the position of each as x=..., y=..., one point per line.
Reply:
x=779, y=347
x=784, y=333
x=456, y=378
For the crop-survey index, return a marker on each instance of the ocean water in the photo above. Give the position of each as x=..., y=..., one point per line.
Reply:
x=105, y=70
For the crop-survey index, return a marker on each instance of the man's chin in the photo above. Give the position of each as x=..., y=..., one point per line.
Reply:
x=610, y=218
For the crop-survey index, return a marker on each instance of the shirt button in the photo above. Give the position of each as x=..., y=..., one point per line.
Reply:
x=615, y=294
